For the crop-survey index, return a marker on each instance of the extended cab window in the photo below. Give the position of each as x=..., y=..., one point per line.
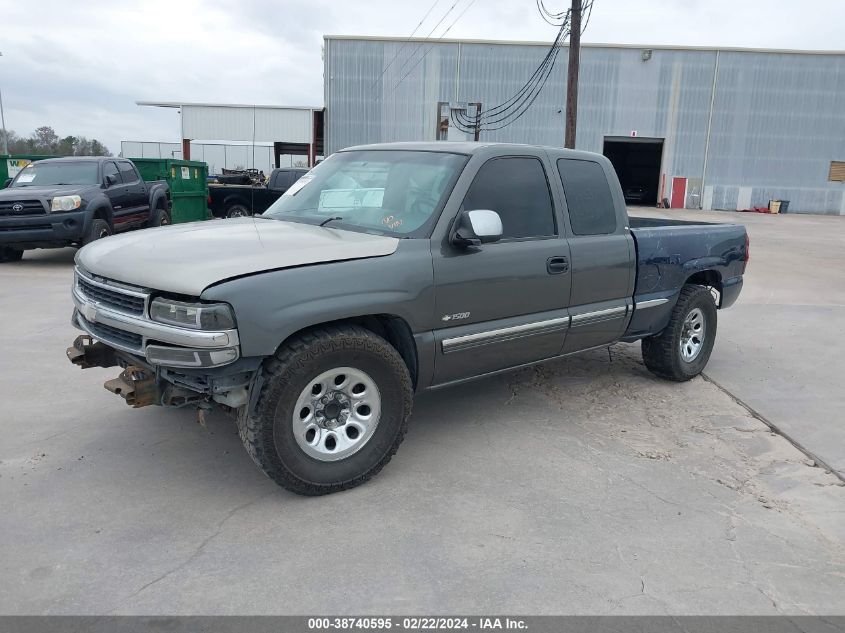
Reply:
x=127, y=172
x=516, y=188
x=588, y=197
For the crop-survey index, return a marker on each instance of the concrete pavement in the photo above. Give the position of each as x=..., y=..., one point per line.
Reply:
x=585, y=486
x=780, y=348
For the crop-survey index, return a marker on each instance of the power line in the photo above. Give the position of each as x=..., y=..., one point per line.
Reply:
x=407, y=41
x=424, y=40
x=516, y=106
x=442, y=35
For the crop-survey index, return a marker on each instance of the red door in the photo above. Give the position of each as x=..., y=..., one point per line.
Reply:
x=679, y=193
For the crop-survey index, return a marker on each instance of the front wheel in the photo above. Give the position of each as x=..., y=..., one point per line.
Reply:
x=332, y=410
x=682, y=349
x=98, y=230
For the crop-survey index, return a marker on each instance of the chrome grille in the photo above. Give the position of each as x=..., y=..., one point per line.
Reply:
x=22, y=207
x=108, y=333
x=111, y=297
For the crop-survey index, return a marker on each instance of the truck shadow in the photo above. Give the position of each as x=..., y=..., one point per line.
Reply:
x=45, y=258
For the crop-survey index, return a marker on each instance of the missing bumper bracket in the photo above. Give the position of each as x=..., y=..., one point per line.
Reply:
x=86, y=353
x=137, y=386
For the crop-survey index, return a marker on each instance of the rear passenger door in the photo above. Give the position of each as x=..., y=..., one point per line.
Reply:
x=137, y=203
x=503, y=304
x=602, y=256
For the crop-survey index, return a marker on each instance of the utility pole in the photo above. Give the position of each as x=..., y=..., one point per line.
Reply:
x=3, y=123
x=572, y=78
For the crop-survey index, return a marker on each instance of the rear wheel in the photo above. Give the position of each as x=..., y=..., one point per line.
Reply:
x=10, y=254
x=332, y=411
x=682, y=349
x=237, y=211
x=98, y=230
x=161, y=218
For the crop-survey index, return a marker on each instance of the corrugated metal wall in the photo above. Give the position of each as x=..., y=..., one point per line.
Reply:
x=774, y=126
x=264, y=124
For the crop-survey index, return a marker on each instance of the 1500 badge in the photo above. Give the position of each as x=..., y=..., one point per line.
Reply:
x=455, y=317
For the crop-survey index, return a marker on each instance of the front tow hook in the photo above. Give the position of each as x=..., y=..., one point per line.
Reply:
x=137, y=386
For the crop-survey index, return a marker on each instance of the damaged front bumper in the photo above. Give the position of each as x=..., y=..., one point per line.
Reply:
x=141, y=384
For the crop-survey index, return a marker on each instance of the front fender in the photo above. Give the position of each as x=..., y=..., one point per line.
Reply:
x=98, y=206
x=272, y=306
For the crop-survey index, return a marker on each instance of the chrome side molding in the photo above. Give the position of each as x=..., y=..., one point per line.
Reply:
x=651, y=303
x=500, y=335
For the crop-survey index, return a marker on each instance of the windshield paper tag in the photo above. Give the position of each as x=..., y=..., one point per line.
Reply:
x=26, y=176
x=299, y=184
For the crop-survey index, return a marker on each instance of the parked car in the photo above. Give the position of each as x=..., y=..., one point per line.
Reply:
x=74, y=201
x=635, y=194
x=235, y=201
x=391, y=270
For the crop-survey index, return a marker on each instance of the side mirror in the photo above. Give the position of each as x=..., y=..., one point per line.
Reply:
x=6, y=183
x=473, y=228
x=109, y=180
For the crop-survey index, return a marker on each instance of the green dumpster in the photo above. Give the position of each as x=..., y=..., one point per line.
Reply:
x=188, y=182
x=10, y=165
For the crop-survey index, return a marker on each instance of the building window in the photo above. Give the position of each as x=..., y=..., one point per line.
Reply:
x=837, y=171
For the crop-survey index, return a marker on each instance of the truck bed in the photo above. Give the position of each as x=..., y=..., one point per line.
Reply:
x=671, y=253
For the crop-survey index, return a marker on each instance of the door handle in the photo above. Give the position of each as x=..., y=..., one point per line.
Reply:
x=557, y=265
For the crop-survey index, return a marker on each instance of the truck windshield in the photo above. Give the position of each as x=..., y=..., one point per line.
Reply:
x=395, y=192
x=70, y=173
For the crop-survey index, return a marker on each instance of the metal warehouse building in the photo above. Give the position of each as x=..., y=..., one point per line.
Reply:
x=238, y=135
x=709, y=128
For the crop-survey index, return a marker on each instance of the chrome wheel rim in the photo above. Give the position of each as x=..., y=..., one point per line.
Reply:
x=103, y=233
x=692, y=335
x=238, y=213
x=336, y=414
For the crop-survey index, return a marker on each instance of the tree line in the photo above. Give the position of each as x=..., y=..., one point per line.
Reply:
x=45, y=141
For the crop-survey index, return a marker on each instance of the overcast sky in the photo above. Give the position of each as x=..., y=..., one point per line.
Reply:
x=80, y=65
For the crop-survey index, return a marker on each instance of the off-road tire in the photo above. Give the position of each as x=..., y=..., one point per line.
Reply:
x=237, y=211
x=98, y=229
x=10, y=254
x=268, y=436
x=662, y=353
x=161, y=218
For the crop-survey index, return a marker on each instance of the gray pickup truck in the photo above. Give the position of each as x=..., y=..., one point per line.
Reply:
x=385, y=271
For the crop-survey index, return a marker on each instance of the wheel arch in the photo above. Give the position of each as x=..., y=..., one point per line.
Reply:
x=392, y=328
x=100, y=211
x=709, y=278
x=235, y=199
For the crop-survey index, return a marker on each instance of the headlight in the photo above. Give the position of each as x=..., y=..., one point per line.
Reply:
x=65, y=203
x=199, y=316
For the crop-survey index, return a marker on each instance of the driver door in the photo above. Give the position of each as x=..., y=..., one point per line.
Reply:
x=504, y=304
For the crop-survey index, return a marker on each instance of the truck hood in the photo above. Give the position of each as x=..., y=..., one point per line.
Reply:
x=47, y=191
x=187, y=258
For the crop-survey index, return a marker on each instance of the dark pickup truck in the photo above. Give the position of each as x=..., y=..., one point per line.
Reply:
x=236, y=201
x=73, y=201
x=387, y=271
